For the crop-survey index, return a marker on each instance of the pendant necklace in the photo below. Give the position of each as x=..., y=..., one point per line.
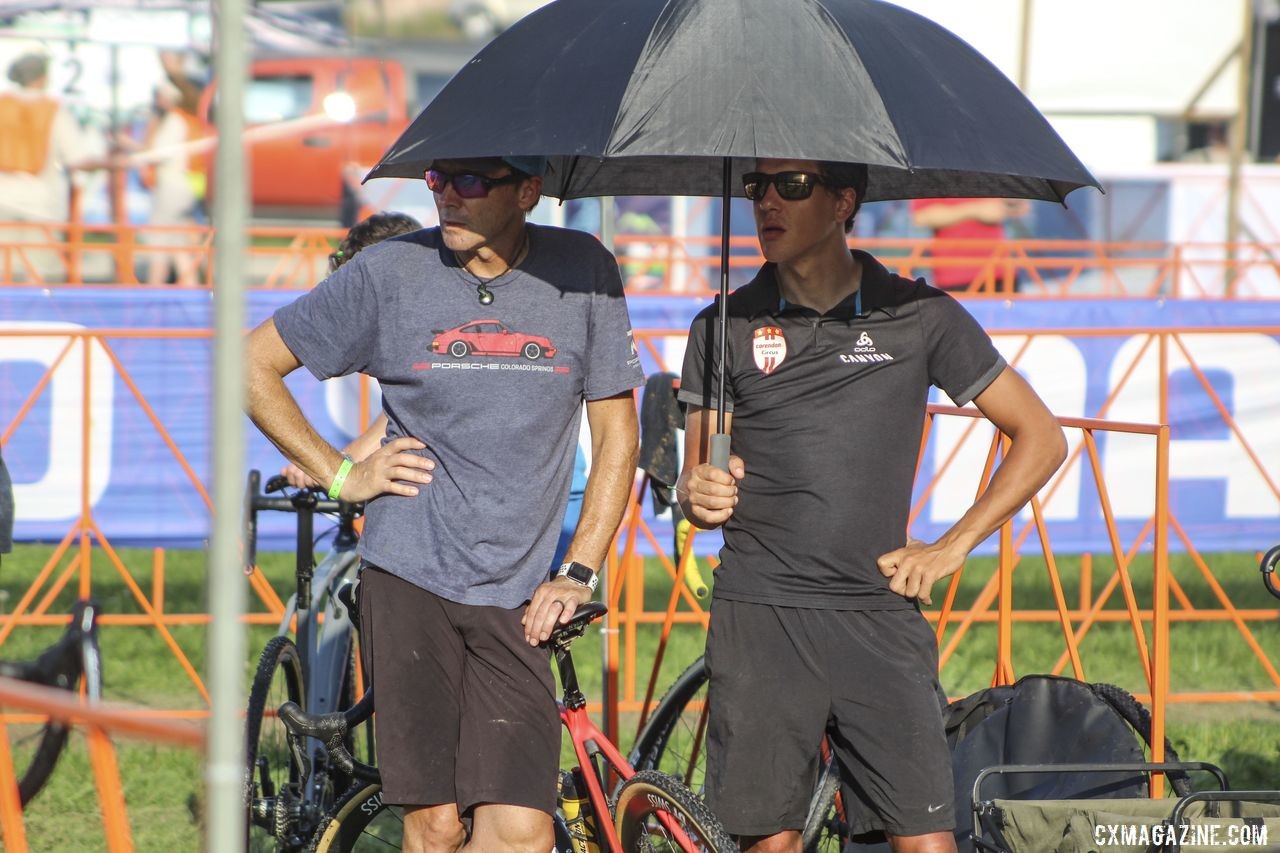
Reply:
x=483, y=293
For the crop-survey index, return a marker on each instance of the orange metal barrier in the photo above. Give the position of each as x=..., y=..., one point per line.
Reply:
x=85, y=539
x=1026, y=268
x=297, y=257
x=98, y=721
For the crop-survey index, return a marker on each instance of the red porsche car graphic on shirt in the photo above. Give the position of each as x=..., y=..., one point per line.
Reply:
x=490, y=337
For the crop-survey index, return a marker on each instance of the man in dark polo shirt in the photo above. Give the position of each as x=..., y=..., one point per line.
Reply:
x=815, y=621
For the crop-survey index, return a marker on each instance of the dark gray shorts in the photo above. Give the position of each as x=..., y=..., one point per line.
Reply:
x=782, y=677
x=465, y=708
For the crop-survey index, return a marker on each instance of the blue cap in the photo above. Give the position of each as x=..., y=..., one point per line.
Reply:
x=536, y=166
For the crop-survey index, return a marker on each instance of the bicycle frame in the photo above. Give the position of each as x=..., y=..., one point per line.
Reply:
x=322, y=628
x=588, y=743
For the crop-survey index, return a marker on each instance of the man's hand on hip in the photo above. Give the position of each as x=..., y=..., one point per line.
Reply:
x=390, y=470
x=711, y=493
x=914, y=568
x=553, y=603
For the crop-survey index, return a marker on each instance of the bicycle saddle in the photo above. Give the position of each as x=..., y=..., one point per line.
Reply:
x=577, y=626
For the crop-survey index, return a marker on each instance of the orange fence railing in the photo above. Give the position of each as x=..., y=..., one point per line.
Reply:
x=297, y=257
x=99, y=722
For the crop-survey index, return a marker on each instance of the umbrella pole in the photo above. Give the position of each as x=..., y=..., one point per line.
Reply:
x=720, y=439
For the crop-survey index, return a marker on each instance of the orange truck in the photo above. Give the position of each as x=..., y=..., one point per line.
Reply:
x=309, y=118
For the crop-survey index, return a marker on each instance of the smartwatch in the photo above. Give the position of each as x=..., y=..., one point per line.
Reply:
x=579, y=574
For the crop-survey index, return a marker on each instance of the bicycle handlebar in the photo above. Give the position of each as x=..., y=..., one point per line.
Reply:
x=74, y=654
x=304, y=503
x=331, y=730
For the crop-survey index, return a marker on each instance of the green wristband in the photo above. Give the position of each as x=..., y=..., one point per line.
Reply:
x=335, y=488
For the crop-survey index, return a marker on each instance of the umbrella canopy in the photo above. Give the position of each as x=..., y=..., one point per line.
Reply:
x=649, y=97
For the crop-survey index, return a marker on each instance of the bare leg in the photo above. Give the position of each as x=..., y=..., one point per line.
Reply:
x=158, y=268
x=187, y=270
x=433, y=829
x=933, y=842
x=511, y=829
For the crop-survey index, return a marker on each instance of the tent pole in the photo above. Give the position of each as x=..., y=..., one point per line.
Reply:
x=224, y=761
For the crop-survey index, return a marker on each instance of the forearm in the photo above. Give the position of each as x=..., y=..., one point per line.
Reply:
x=613, y=467
x=275, y=412
x=368, y=441
x=1031, y=461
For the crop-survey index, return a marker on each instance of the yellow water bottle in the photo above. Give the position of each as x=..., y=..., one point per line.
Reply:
x=575, y=805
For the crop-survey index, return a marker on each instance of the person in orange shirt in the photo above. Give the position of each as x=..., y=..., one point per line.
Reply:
x=172, y=171
x=40, y=143
x=965, y=219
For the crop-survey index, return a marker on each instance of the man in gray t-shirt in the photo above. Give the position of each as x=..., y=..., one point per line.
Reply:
x=486, y=335
x=815, y=623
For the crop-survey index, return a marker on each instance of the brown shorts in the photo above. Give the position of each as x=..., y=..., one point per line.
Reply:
x=781, y=677
x=465, y=707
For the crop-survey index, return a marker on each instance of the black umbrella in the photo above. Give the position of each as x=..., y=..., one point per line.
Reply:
x=679, y=97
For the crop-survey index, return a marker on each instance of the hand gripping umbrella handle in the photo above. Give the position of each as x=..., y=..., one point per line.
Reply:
x=720, y=450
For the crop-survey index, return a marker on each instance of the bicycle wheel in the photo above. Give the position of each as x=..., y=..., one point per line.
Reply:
x=649, y=801
x=825, y=828
x=271, y=776
x=1139, y=719
x=75, y=658
x=35, y=753
x=673, y=739
x=360, y=821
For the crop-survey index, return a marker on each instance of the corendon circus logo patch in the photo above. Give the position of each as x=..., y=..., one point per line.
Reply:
x=768, y=348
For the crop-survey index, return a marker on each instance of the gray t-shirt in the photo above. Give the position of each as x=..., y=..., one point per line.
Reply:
x=494, y=391
x=827, y=417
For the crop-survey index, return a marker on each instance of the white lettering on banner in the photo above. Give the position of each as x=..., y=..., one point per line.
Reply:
x=56, y=495
x=1055, y=368
x=1129, y=461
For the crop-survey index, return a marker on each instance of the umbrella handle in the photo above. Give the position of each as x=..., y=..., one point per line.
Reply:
x=720, y=450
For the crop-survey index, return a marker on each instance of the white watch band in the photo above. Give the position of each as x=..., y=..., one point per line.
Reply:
x=590, y=583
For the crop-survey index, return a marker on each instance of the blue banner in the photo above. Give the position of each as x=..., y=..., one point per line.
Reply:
x=143, y=385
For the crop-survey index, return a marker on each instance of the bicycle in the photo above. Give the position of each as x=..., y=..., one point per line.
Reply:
x=286, y=794
x=73, y=660
x=650, y=810
x=673, y=738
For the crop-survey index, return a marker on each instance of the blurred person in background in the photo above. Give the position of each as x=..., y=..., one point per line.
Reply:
x=175, y=176
x=40, y=143
x=965, y=219
x=641, y=270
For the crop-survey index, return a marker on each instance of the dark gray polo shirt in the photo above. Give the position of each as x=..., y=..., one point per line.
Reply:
x=828, y=412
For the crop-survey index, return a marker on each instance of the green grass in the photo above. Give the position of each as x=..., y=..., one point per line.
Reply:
x=163, y=784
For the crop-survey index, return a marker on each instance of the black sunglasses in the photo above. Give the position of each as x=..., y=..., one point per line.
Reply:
x=791, y=186
x=468, y=184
